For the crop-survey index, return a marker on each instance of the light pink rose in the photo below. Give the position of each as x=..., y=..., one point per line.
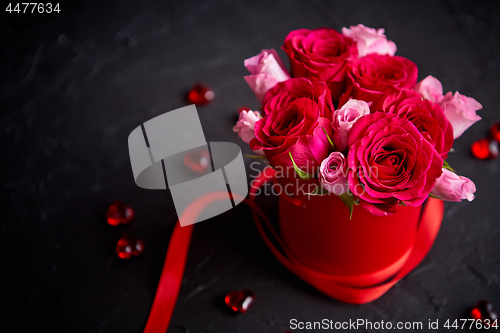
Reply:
x=245, y=127
x=460, y=111
x=344, y=118
x=452, y=187
x=370, y=40
x=430, y=88
x=267, y=70
x=333, y=173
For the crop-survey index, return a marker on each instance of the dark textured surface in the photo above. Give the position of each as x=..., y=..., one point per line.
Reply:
x=74, y=85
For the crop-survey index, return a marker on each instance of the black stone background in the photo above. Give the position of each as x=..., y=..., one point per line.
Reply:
x=74, y=85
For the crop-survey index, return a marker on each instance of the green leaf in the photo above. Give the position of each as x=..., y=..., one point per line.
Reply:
x=257, y=157
x=319, y=190
x=448, y=167
x=328, y=137
x=348, y=200
x=301, y=174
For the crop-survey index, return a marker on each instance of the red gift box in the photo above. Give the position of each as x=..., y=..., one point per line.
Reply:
x=364, y=250
x=355, y=260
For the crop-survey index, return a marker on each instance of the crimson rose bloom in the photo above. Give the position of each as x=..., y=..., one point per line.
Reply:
x=427, y=117
x=390, y=162
x=284, y=93
x=374, y=76
x=297, y=129
x=322, y=54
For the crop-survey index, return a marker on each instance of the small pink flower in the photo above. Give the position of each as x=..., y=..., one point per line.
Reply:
x=344, y=118
x=333, y=173
x=370, y=40
x=245, y=126
x=267, y=70
x=430, y=88
x=460, y=111
x=452, y=187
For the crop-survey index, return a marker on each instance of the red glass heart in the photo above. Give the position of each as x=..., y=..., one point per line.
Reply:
x=119, y=213
x=240, y=301
x=495, y=132
x=129, y=246
x=484, y=310
x=200, y=94
x=485, y=149
x=197, y=160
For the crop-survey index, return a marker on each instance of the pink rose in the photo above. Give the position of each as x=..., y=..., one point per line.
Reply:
x=300, y=130
x=370, y=40
x=427, y=117
x=333, y=173
x=344, y=118
x=390, y=163
x=284, y=93
x=430, y=88
x=452, y=187
x=245, y=126
x=373, y=77
x=322, y=54
x=460, y=111
x=267, y=70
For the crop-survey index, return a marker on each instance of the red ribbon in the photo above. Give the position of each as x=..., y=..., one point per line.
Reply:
x=340, y=287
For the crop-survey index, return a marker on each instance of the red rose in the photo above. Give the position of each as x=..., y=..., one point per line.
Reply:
x=374, y=76
x=390, y=162
x=297, y=129
x=284, y=93
x=321, y=53
x=427, y=117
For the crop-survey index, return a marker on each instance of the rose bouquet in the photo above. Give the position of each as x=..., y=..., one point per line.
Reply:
x=351, y=116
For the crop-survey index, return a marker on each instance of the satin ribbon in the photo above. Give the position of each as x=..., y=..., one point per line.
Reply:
x=338, y=287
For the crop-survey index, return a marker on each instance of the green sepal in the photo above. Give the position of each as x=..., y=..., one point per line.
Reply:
x=348, y=200
x=328, y=137
x=448, y=167
x=301, y=174
x=257, y=157
x=434, y=196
